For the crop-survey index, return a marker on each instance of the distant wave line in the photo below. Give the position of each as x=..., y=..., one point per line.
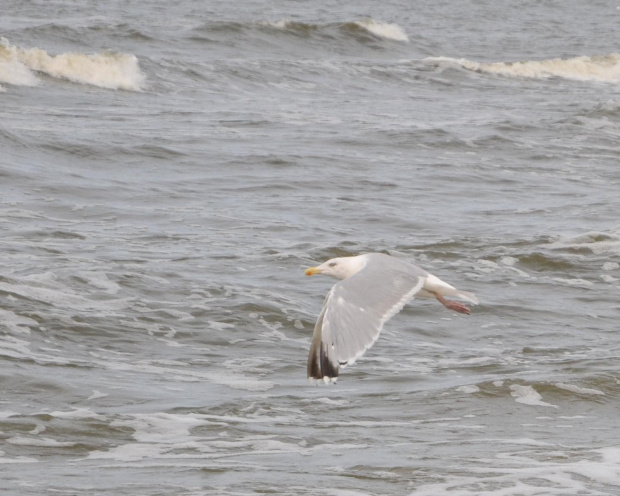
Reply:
x=379, y=29
x=603, y=68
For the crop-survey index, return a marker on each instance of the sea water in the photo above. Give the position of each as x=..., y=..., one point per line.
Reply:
x=168, y=171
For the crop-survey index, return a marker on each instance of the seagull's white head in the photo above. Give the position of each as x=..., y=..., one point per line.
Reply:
x=340, y=268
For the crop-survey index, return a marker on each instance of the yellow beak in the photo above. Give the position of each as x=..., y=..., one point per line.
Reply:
x=310, y=271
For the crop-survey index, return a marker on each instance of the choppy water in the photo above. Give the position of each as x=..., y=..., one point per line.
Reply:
x=169, y=170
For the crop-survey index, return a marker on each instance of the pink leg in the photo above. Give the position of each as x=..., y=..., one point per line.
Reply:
x=453, y=305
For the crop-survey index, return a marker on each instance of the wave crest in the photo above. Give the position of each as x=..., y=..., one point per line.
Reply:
x=602, y=68
x=383, y=29
x=387, y=31
x=109, y=70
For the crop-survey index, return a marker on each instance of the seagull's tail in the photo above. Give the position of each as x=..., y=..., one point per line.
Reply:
x=436, y=286
x=466, y=295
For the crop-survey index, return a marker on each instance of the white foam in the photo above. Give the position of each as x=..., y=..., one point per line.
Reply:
x=77, y=413
x=43, y=442
x=16, y=323
x=383, y=29
x=522, y=441
x=468, y=389
x=252, y=365
x=165, y=435
x=522, y=476
x=233, y=379
x=5, y=415
x=53, y=294
x=20, y=349
x=100, y=280
x=12, y=70
x=509, y=261
x=599, y=243
x=528, y=396
x=19, y=459
x=328, y=401
x=578, y=390
x=39, y=428
x=281, y=24
x=162, y=427
x=155, y=435
x=603, y=68
x=219, y=326
x=106, y=70
x=573, y=282
x=345, y=492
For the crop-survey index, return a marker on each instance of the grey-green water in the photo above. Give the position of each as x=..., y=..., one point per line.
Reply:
x=156, y=215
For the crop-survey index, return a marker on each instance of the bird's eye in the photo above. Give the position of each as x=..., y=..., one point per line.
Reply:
x=333, y=264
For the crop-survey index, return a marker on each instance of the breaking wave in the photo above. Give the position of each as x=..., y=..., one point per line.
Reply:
x=111, y=70
x=602, y=68
x=378, y=29
x=383, y=29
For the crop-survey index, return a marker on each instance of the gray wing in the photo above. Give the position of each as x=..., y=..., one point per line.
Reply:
x=355, y=310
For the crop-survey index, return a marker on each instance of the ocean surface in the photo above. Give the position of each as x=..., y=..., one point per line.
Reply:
x=169, y=169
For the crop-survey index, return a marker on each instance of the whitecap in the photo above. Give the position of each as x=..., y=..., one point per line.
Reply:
x=383, y=30
x=161, y=427
x=219, y=326
x=468, y=389
x=579, y=390
x=603, y=68
x=573, y=282
x=77, y=413
x=96, y=395
x=528, y=396
x=109, y=70
x=100, y=280
x=12, y=70
x=599, y=243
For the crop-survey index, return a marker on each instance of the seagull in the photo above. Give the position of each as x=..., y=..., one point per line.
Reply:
x=373, y=288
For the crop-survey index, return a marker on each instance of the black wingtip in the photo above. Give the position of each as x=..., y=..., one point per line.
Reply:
x=319, y=366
